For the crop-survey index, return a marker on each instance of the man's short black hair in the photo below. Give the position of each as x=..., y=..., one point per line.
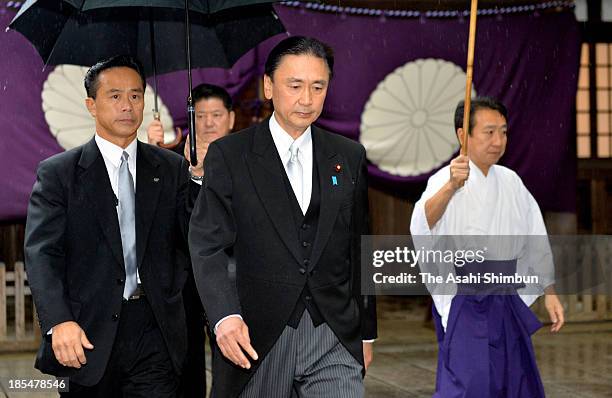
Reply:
x=206, y=91
x=299, y=45
x=477, y=104
x=127, y=61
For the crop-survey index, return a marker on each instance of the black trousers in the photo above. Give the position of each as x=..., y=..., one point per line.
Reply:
x=193, y=380
x=139, y=364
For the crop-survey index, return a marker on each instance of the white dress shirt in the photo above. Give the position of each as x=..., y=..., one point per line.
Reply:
x=111, y=154
x=497, y=204
x=282, y=141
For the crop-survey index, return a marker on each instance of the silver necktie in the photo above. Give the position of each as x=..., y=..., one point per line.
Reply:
x=295, y=174
x=127, y=225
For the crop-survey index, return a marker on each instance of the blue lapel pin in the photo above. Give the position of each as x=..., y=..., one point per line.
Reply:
x=337, y=169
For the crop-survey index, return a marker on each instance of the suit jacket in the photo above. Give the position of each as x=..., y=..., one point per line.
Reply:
x=245, y=250
x=74, y=258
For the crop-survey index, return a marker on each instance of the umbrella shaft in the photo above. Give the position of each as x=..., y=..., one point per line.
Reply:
x=193, y=157
x=188, y=45
x=153, y=59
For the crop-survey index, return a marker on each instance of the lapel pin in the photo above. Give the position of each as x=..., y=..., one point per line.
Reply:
x=155, y=179
x=334, y=180
x=338, y=168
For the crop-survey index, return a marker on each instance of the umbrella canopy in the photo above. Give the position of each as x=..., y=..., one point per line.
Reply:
x=89, y=33
x=157, y=32
x=201, y=6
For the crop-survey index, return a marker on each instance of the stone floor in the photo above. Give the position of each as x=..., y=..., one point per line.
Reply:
x=576, y=363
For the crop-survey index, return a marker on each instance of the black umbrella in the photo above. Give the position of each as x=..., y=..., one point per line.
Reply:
x=158, y=32
x=201, y=6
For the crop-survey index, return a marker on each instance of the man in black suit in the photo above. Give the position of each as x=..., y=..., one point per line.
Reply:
x=275, y=244
x=105, y=250
x=214, y=119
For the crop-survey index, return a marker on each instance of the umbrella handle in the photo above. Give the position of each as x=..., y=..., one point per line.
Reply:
x=177, y=140
x=192, y=132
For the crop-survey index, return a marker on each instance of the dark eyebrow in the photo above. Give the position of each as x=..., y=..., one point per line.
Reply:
x=492, y=126
x=296, y=80
x=116, y=90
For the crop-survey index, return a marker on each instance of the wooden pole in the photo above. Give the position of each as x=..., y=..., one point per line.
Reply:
x=469, y=72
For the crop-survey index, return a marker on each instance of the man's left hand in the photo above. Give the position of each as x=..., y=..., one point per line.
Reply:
x=201, y=149
x=555, y=311
x=368, y=354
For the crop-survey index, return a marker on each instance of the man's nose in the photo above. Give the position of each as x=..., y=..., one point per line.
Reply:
x=208, y=120
x=498, y=138
x=126, y=105
x=306, y=97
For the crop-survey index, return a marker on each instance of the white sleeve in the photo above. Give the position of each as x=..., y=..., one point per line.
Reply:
x=418, y=222
x=224, y=318
x=423, y=238
x=443, y=304
x=537, y=259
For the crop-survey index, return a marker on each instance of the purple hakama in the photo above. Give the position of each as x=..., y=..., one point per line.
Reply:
x=486, y=351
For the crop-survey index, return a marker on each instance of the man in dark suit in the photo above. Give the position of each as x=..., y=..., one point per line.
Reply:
x=105, y=250
x=275, y=244
x=214, y=119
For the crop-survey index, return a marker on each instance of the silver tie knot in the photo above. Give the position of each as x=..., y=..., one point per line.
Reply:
x=294, y=150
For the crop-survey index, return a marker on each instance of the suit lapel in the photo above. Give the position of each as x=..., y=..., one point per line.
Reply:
x=97, y=186
x=331, y=195
x=148, y=188
x=266, y=173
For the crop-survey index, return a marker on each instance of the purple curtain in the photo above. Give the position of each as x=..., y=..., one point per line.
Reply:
x=528, y=61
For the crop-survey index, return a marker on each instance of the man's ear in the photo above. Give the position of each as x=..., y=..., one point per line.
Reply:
x=460, y=134
x=90, y=103
x=232, y=119
x=268, y=85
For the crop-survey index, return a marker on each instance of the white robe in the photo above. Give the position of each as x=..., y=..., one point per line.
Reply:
x=492, y=205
